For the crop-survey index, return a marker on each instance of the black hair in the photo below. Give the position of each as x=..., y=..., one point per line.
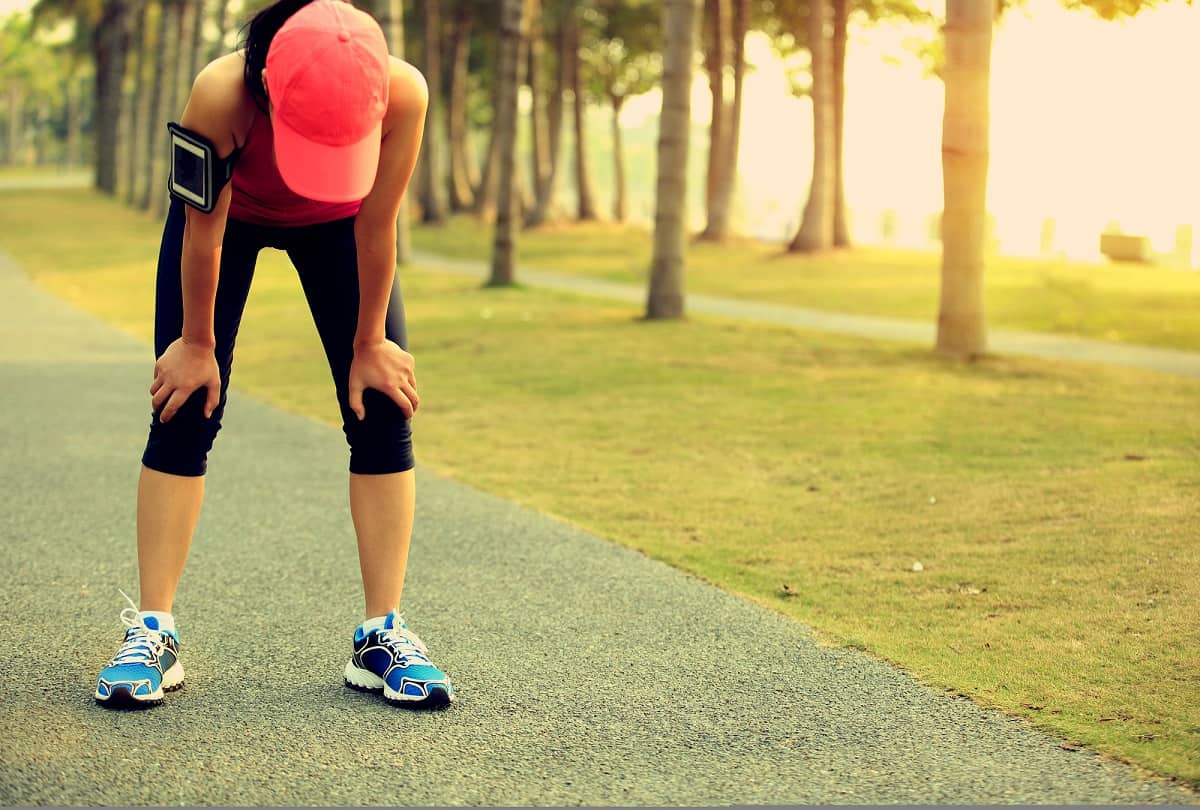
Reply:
x=256, y=39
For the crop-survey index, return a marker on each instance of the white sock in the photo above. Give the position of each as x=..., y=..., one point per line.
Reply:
x=165, y=620
x=375, y=623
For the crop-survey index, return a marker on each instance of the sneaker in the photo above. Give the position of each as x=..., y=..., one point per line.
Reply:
x=144, y=668
x=393, y=660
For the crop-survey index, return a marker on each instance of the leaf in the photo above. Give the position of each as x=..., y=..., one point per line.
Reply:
x=788, y=590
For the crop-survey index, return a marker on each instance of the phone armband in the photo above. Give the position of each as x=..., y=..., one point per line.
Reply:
x=197, y=174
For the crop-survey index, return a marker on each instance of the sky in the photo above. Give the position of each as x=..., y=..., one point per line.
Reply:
x=1092, y=125
x=9, y=6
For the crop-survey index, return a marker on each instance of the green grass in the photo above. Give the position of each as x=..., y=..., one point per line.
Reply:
x=1125, y=303
x=1053, y=506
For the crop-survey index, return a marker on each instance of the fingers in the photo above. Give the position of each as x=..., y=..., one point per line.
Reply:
x=178, y=397
x=214, y=398
x=161, y=393
x=409, y=390
x=404, y=399
x=355, y=399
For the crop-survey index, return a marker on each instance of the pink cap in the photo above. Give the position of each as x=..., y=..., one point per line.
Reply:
x=327, y=77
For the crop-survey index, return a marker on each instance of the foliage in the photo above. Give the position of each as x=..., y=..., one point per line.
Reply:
x=623, y=54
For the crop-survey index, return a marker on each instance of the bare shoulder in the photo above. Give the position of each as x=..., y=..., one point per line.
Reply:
x=219, y=106
x=408, y=94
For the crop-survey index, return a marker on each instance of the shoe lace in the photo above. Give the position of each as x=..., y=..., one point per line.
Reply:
x=142, y=644
x=406, y=643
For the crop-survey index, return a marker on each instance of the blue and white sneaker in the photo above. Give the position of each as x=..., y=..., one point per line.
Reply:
x=393, y=660
x=145, y=667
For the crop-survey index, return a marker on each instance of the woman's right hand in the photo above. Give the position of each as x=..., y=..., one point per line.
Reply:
x=182, y=369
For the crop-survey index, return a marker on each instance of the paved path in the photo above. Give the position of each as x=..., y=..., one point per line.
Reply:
x=1001, y=341
x=586, y=672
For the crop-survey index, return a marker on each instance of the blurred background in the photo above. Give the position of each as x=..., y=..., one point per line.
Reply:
x=1085, y=110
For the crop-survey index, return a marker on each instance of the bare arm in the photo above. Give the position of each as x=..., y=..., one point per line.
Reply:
x=208, y=112
x=375, y=225
x=378, y=362
x=189, y=363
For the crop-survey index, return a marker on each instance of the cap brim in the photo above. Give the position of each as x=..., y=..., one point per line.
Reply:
x=327, y=173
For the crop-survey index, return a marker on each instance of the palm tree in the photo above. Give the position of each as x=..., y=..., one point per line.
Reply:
x=625, y=59
x=433, y=198
x=162, y=91
x=556, y=12
x=816, y=228
x=139, y=106
x=665, y=296
x=512, y=32
x=583, y=184
x=962, y=331
x=110, y=40
x=725, y=139
x=458, y=51
x=390, y=14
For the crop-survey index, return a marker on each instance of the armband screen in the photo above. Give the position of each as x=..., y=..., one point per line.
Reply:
x=192, y=162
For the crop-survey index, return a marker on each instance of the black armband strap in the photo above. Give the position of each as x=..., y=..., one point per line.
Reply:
x=197, y=174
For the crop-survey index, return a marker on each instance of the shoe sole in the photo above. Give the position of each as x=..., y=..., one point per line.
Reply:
x=121, y=696
x=363, y=680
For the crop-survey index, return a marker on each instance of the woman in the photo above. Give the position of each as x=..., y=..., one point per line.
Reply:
x=317, y=129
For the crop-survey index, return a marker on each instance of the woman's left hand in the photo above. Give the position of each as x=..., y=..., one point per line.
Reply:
x=385, y=367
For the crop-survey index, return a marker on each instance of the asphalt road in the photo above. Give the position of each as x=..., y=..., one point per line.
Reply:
x=586, y=673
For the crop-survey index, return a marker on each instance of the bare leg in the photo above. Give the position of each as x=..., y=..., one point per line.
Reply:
x=168, y=508
x=382, y=507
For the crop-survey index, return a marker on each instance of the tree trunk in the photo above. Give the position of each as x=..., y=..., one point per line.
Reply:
x=196, y=48
x=816, y=230
x=485, y=195
x=583, y=184
x=664, y=298
x=485, y=191
x=74, y=116
x=962, y=329
x=433, y=202
x=539, y=156
x=16, y=122
x=390, y=14
x=619, y=199
x=110, y=41
x=217, y=48
x=512, y=31
x=167, y=54
x=178, y=84
x=462, y=197
x=716, y=13
x=183, y=76
x=138, y=104
x=41, y=133
x=841, y=225
x=541, y=206
x=721, y=197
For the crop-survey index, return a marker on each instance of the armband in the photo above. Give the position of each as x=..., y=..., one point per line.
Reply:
x=197, y=174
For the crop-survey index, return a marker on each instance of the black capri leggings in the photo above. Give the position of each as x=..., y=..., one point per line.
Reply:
x=326, y=260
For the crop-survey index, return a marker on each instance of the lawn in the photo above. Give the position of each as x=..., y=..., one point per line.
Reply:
x=1127, y=303
x=1053, y=507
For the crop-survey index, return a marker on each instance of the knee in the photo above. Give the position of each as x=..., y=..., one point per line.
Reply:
x=382, y=442
x=181, y=446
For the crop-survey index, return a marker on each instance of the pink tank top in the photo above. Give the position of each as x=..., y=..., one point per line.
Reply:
x=261, y=197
